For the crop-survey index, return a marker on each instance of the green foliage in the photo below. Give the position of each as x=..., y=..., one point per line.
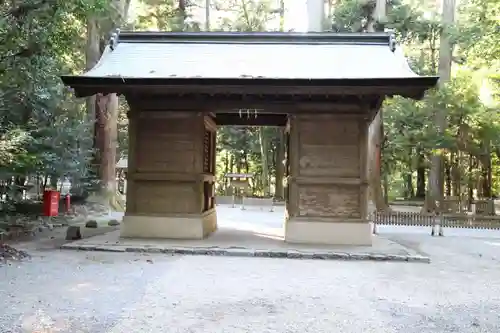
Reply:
x=44, y=131
x=248, y=15
x=165, y=15
x=480, y=33
x=352, y=16
x=239, y=150
x=410, y=135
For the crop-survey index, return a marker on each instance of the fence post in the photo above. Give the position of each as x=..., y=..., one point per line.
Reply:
x=441, y=222
x=374, y=221
x=435, y=223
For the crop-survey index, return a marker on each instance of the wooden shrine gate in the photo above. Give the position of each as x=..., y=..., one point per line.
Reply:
x=322, y=87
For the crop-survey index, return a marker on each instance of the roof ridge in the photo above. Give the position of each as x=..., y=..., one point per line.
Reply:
x=385, y=38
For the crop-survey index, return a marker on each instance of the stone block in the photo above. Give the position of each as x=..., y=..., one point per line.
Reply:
x=73, y=233
x=91, y=224
x=113, y=223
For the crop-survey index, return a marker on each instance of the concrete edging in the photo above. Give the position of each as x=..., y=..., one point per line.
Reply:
x=246, y=252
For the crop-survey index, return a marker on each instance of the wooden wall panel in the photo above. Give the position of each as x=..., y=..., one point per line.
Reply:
x=329, y=201
x=167, y=145
x=328, y=147
x=167, y=173
x=328, y=178
x=328, y=130
x=166, y=197
x=333, y=160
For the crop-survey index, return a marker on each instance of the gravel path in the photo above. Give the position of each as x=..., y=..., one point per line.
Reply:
x=123, y=292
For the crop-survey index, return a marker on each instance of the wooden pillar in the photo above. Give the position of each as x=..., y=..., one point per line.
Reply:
x=328, y=180
x=171, y=171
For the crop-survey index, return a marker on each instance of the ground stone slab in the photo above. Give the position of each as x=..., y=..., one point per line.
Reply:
x=248, y=252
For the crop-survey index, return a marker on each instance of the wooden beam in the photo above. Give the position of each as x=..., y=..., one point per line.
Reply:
x=172, y=177
x=262, y=103
x=251, y=119
x=415, y=92
x=363, y=168
x=305, y=180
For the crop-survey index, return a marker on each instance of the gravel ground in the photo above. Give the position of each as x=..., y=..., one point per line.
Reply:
x=123, y=292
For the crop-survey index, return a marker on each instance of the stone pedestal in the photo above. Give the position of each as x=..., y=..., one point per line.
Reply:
x=327, y=180
x=183, y=226
x=170, y=176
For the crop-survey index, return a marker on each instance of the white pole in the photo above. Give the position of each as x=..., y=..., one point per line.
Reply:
x=234, y=197
x=315, y=15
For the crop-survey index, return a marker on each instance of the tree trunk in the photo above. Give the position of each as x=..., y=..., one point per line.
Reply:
x=420, y=175
x=386, y=189
x=470, y=183
x=182, y=15
x=280, y=167
x=456, y=176
x=92, y=55
x=282, y=15
x=486, y=172
x=490, y=178
x=245, y=161
x=280, y=153
x=409, y=191
x=374, y=160
x=375, y=135
x=207, y=15
x=315, y=15
x=182, y=8
x=238, y=163
x=448, y=179
x=435, y=192
x=265, y=164
x=19, y=186
x=226, y=170
x=106, y=137
x=106, y=113
x=408, y=185
x=444, y=69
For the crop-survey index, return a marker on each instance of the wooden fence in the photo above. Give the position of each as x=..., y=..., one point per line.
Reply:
x=468, y=221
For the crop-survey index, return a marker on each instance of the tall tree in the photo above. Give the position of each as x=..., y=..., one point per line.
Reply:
x=376, y=130
x=280, y=151
x=207, y=15
x=436, y=176
x=104, y=108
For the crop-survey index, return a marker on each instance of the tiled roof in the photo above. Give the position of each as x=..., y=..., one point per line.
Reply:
x=252, y=56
